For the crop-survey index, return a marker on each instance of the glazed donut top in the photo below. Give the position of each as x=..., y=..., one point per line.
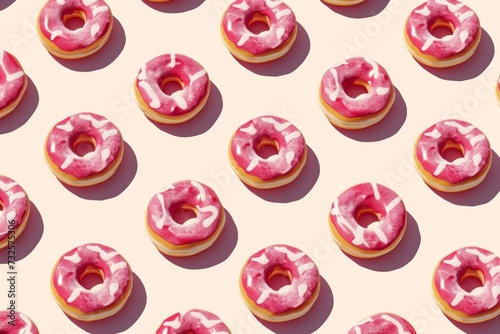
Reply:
x=345, y=73
x=15, y=204
x=67, y=272
x=193, y=321
x=241, y=12
x=97, y=21
x=22, y=324
x=11, y=79
x=247, y=137
x=453, y=267
x=60, y=141
x=163, y=205
x=377, y=198
x=476, y=150
x=304, y=278
x=387, y=323
x=419, y=24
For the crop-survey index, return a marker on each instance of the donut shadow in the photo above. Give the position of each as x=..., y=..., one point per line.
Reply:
x=6, y=3
x=296, y=189
x=482, y=193
x=115, y=185
x=102, y=58
x=363, y=10
x=312, y=320
x=401, y=255
x=174, y=6
x=217, y=253
x=386, y=128
x=200, y=123
x=472, y=67
x=286, y=64
x=29, y=238
x=23, y=111
x=488, y=327
x=125, y=318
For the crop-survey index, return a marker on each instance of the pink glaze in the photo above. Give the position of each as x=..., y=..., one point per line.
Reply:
x=450, y=271
x=464, y=20
x=337, y=78
x=193, y=78
x=241, y=12
x=21, y=323
x=476, y=147
x=12, y=79
x=258, y=268
x=180, y=194
x=117, y=277
x=386, y=323
x=60, y=141
x=290, y=141
x=15, y=206
x=98, y=21
x=193, y=321
x=375, y=198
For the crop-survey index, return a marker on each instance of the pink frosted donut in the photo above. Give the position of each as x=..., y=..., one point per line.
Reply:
x=193, y=236
x=13, y=322
x=193, y=321
x=289, y=302
x=101, y=301
x=95, y=166
x=355, y=113
x=13, y=83
x=449, y=50
x=267, y=45
x=478, y=305
x=66, y=43
x=183, y=104
x=461, y=174
x=379, y=237
x=386, y=323
x=15, y=211
x=277, y=170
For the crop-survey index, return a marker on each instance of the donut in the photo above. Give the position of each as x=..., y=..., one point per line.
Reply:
x=277, y=170
x=290, y=301
x=360, y=112
x=449, y=50
x=14, y=322
x=193, y=321
x=194, y=235
x=379, y=237
x=268, y=45
x=13, y=83
x=181, y=105
x=478, y=305
x=101, y=301
x=66, y=43
x=386, y=323
x=343, y=2
x=15, y=206
x=461, y=174
x=62, y=154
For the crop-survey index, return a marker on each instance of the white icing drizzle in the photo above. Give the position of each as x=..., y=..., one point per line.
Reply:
x=11, y=215
x=113, y=287
x=99, y=9
x=198, y=75
x=69, y=159
x=61, y=2
x=357, y=330
x=53, y=34
x=277, y=125
x=482, y=257
x=455, y=262
x=289, y=157
x=201, y=190
x=105, y=154
x=253, y=164
x=95, y=123
x=75, y=258
x=210, y=220
x=495, y=291
x=375, y=70
x=251, y=130
x=280, y=32
x=155, y=101
x=74, y=294
x=271, y=3
x=428, y=44
x=380, y=234
x=102, y=253
x=424, y=11
x=244, y=38
x=291, y=136
x=28, y=325
x=68, y=127
x=305, y=267
x=462, y=129
x=375, y=191
x=262, y=298
x=451, y=7
x=172, y=60
x=333, y=95
x=395, y=323
x=424, y=153
x=393, y=204
x=88, y=2
x=9, y=77
x=181, y=102
x=494, y=270
x=476, y=159
x=433, y=134
x=442, y=283
x=282, y=13
x=291, y=256
x=7, y=186
x=117, y=266
x=175, y=324
x=302, y=289
x=204, y=321
x=465, y=16
x=243, y=6
x=458, y=298
x=94, y=29
x=382, y=90
x=109, y=133
x=477, y=139
x=160, y=222
x=261, y=259
x=249, y=280
x=464, y=35
x=16, y=196
x=441, y=166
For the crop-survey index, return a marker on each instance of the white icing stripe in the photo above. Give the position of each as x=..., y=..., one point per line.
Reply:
x=204, y=321
x=210, y=220
x=16, y=196
x=113, y=287
x=433, y=134
x=451, y=7
x=291, y=136
x=53, y=34
x=161, y=221
x=476, y=159
x=172, y=60
x=181, y=102
x=280, y=32
x=382, y=90
x=117, y=266
x=66, y=126
x=271, y=4
x=477, y=139
x=458, y=298
x=333, y=95
x=99, y=9
x=7, y=186
x=67, y=162
x=289, y=157
x=455, y=262
x=463, y=36
x=243, y=6
x=95, y=123
x=375, y=69
x=462, y=129
x=75, y=258
x=396, y=323
x=440, y=168
x=88, y=2
x=11, y=215
x=243, y=39
x=198, y=75
x=380, y=234
x=482, y=257
x=105, y=154
x=265, y=294
x=109, y=133
x=375, y=191
x=261, y=259
x=442, y=283
x=28, y=324
x=427, y=44
x=277, y=125
x=102, y=253
x=291, y=256
x=357, y=330
x=495, y=291
x=305, y=267
x=393, y=204
x=75, y=294
x=94, y=29
x=494, y=270
x=253, y=164
x=251, y=130
x=175, y=324
x=282, y=13
x=465, y=16
x=424, y=11
x=302, y=289
x=155, y=101
x=200, y=189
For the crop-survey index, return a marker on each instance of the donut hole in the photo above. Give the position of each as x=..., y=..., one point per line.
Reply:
x=367, y=218
x=75, y=19
x=1, y=206
x=91, y=277
x=258, y=23
x=441, y=28
x=356, y=88
x=267, y=147
x=83, y=144
x=472, y=279
x=452, y=152
x=185, y=214
x=279, y=279
x=170, y=85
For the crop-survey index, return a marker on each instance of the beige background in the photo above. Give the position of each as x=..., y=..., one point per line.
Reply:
x=156, y=155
